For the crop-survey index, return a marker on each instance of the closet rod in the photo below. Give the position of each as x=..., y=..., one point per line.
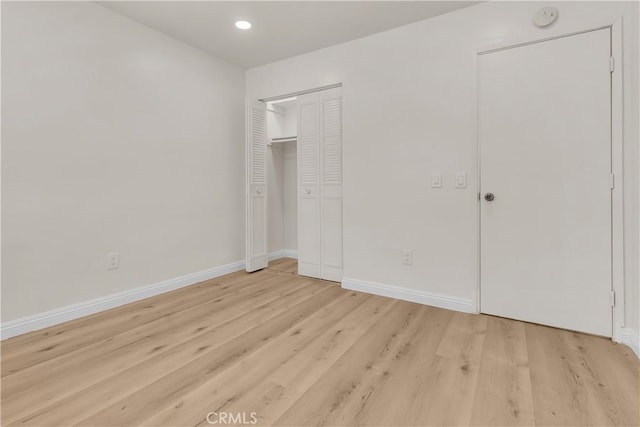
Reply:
x=302, y=92
x=275, y=111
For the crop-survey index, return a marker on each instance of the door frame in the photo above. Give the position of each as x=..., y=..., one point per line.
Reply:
x=247, y=184
x=617, y=160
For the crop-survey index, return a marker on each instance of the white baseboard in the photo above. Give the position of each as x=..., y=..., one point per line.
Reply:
x=282, y=253
x=406, y=294
x=71, y=312
x=630, y=337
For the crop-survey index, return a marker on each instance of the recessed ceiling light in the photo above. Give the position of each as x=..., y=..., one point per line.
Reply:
x=243, y=25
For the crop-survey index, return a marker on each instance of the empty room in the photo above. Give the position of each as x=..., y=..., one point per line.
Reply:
x=320, y=213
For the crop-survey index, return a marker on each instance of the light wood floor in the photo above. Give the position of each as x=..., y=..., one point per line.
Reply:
x=302, y=352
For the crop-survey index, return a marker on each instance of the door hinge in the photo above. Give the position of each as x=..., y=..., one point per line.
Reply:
x=611, y=64
x=612, y=181
x=612, y=298
x=478, y=196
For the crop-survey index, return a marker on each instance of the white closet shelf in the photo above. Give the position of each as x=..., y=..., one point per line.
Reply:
x=284, y=139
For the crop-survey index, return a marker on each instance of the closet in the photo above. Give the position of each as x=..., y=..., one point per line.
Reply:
x=294, y=183
x=282, y=221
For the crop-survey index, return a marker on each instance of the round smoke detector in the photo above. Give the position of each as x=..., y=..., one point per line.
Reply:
x=545, y=17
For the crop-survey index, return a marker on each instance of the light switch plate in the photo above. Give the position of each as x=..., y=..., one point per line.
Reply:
x=407, y=256
x=461, y=180
x=436, y=180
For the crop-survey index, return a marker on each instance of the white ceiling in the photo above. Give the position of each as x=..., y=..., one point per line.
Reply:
x=281, y=29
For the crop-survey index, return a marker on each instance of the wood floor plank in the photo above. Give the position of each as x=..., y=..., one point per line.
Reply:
x=172, y=319
x=300, y=351
x=287, y=265
x=129, y=410
x=273, y=396
x=566, y=389
x=411, y=376
x=331, y=399
x=23, y=343
x=77, y=334
x=614, y=377
x=381, y=376
x=449, y=389
x=49, y=382
x=241, y=377
x=559, y=396
x=503, y=395
x=86, y=402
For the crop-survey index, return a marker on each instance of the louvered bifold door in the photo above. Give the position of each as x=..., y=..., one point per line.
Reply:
x=308, y=186
x=256, y=229
x=331, y=184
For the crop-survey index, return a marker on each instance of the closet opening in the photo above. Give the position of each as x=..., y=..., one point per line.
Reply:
x=294, y=182
x=282, y=178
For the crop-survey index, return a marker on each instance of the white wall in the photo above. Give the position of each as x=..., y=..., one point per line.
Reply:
x=409, y=109
x=115, y=138
x=275, y=198
x=275, y=178
x=275, y=121
x=290, y=125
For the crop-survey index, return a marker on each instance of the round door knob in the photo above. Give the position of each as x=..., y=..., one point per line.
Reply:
x=489, y=197
x=307, y=192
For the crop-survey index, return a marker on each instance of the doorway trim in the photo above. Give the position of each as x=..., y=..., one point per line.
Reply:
x=300, y=93
x=270, y=256
x=617, y=162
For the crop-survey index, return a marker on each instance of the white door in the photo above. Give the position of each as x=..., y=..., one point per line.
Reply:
x=545, y=155
x=308, y=186
x=331, y=184
x=256, y=229
x=320, y=185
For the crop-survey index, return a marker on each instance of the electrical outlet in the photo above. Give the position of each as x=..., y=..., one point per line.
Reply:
x=113, y=261
x=407, y=257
